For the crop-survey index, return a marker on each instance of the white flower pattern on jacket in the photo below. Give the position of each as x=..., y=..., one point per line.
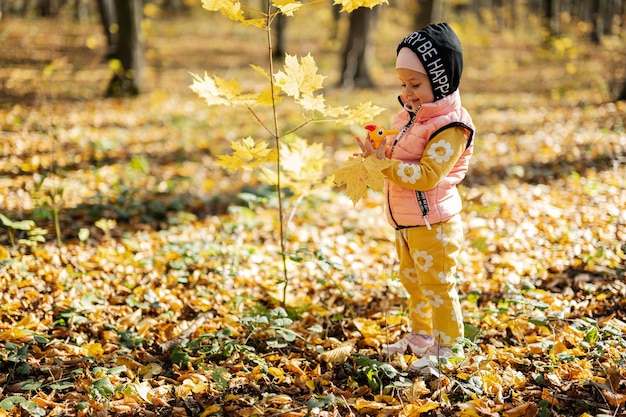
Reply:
x=441, y=151
x=409, y=172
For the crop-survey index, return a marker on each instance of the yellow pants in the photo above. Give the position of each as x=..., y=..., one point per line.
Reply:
x=428, y=262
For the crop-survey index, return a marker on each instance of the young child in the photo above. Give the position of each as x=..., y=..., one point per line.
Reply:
x=430, y=156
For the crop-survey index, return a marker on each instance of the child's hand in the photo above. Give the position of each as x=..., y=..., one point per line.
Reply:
x=367, y=148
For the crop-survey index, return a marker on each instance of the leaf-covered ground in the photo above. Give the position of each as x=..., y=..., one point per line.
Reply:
x=159, y=293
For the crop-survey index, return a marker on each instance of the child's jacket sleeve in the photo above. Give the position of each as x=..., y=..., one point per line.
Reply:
x=439, y=157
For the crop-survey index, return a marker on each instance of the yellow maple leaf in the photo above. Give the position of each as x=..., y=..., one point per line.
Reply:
x=142, y=389
x=261, y=71
x=313, y=103
x=277, y=373
x=211, y=410
x=229, y=8
x=522, y=410
x=368, y=407
x=29, y=321
x=286, y=7
x=302, y=163
x=299, y=78
x=264, y=98
x=359, y=174
x=261, y=23
x=91, y=349
x=351, y=5
x=216, y=91
x=150, y=370
x=15, y=334
x=368, y=328
x=247, y=155
x=362, y=114
x=421, y=406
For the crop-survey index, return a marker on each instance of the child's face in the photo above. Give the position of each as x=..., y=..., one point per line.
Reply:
x=416, y=89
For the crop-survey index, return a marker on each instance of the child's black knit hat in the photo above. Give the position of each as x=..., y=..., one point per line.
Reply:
x=439, y=50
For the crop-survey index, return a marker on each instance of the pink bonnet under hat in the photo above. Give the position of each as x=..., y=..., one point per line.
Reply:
x=408, y=60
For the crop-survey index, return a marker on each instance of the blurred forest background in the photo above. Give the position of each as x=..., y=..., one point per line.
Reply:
x=120, y=232
x=61, y=57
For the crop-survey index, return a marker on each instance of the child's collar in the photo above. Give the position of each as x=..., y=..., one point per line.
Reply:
x=430, y=109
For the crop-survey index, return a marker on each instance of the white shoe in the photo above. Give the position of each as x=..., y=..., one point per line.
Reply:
x=447, y=352
x=417, y=343
x=425, y=366
x=436, y=358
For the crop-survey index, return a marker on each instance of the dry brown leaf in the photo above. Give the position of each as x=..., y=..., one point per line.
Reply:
x=338, y=355
x=417, y=390
x=419, y=407
x=615, y=399
x=522, y=410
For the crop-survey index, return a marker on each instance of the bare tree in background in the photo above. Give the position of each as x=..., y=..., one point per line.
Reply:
x=108, y=18
x=622, y=95
x=422, y=13
x=50, y=7
x=127, y=79
x=280, y=26
x=355, y=69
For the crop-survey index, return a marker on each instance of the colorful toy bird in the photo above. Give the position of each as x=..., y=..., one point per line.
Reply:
x=378, y=133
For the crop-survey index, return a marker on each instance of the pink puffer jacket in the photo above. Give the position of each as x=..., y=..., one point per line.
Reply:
x=409, y=208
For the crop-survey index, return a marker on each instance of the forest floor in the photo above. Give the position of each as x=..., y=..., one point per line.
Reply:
x=157, y=292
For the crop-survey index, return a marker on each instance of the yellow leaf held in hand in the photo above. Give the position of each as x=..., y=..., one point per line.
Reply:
x=359, y=174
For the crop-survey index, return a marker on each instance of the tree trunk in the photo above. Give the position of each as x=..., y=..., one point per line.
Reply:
x=355, y=71
x=108, y=17
x=596, y=21
x=336, y=12
x=81, y=11
x=622, y=94
x=127, y=79
x=175, y=6
x=280, y=25
x=48, y=8
x=553, y=17
x=423, y=14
